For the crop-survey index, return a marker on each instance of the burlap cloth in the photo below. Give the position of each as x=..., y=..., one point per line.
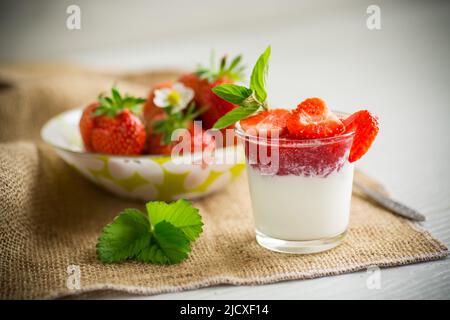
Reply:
x=50, y=217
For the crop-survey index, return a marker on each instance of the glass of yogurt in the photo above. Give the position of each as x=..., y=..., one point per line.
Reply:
x=300, y=190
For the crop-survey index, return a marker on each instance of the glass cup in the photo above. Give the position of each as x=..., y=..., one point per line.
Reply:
x=300, y=190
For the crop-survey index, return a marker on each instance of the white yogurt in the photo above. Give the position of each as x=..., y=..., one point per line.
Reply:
x=300, y=208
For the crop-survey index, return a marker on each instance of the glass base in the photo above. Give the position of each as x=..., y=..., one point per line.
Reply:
x=299, y=247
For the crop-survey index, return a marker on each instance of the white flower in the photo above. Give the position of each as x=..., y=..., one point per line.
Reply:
x=177, y=97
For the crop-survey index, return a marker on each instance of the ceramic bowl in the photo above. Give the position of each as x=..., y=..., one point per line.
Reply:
x=144, y=177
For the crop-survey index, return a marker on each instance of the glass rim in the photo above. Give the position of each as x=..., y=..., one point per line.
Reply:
x=292, y=142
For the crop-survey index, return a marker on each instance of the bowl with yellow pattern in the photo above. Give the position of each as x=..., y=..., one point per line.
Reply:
x=143, y=177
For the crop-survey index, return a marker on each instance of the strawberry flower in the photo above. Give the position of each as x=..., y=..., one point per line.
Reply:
x=176, y=98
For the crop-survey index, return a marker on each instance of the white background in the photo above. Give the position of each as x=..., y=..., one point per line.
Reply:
x=319, y=48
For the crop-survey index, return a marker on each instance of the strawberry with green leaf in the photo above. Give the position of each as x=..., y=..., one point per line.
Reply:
x=177, y=111
x=205, y=79
x=160, y=140
x=112, y=125
x=150, y=109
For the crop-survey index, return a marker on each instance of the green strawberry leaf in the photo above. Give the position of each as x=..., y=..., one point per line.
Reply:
x=174, y=121
x=233, y=93
x=112, y=106
x=169, y=245
x=258, y=77
x=233, y=71
x=234, y=116
x=165, y=240
x=125, y=237
x=130, y=102
x=235, y=62
x=180, y=214
x=116, y=95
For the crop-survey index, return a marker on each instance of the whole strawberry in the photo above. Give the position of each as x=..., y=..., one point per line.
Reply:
x=151, y=110
x=173, y=108
x=205, y=79
x=87, y=124
x=111, y=126
x=199, y=138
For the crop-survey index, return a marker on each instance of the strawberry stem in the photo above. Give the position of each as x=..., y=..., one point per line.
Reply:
x=111, y=106
x=177, y=120
x=233, y=71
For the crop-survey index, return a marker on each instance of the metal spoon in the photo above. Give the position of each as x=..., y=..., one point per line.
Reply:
x=390, y=204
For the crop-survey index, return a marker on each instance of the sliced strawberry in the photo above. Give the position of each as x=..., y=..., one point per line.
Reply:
x=250, y=123
x=267, y=123
x=312, y=119
x=313, y=107
x=366, y=126
x=302, y=125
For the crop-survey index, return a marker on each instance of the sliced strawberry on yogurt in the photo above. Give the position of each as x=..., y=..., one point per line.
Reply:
x=366, y=126
x=312, y=119
x=266, y=123
x=313, y=106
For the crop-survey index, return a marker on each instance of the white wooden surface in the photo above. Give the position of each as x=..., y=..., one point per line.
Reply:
x=400, y=72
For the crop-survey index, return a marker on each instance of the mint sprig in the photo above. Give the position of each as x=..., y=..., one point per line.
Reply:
x=249, y=100
x=234, y=93
x=258, y=77
x=111, y=106
x=164, y=236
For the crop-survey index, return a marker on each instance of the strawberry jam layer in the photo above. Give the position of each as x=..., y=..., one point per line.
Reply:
x=319, y=157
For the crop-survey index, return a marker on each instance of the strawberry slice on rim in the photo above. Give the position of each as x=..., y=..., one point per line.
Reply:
x=267, y=123
x=366, y=127
x=312, y=119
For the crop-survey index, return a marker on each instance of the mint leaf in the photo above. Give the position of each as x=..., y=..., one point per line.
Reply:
x=234, y=116
x=125, y=237
x=258, y=77
x=169, y=245
x=233, y=93
x=181, y=214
